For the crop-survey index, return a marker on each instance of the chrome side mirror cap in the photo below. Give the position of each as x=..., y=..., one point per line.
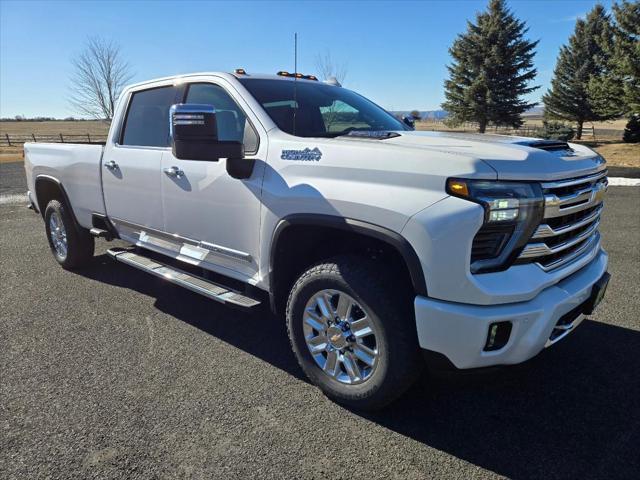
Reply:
x=193, y=131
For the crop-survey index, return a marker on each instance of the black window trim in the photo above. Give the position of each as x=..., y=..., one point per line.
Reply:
x=185, y=93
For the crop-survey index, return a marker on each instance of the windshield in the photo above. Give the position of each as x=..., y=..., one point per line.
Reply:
x=314, y=109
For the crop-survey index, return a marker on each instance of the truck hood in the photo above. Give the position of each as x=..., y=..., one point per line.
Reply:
x=513, y=158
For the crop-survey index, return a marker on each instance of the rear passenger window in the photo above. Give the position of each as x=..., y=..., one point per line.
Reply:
x=147, y=122
x=231, y=120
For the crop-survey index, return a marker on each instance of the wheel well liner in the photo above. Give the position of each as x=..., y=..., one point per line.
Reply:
x=48, y=188
x=365, y=229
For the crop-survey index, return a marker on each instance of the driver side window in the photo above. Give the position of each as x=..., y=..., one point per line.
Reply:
x=233, y=124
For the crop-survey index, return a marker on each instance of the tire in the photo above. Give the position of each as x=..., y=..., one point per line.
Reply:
x=387, y=313
x=72, y=246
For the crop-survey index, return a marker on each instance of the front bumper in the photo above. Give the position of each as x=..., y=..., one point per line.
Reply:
x=459, y=331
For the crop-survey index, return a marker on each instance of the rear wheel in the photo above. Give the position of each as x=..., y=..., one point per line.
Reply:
x=71, y=245
x=353, y=335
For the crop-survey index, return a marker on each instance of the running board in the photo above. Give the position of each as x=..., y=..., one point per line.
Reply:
x=100, y=233
x=191, y=282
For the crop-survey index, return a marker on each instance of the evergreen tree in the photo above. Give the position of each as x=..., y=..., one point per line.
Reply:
x=491, y=70
x=627, y=52
x=632, y=130
x=585, y=59
x=616, y=90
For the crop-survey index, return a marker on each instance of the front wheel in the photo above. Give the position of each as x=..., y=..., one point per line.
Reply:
x=71, y=245
x=354, y=336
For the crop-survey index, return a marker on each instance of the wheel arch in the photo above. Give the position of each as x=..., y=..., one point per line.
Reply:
x=48, y=188
x=346, y=229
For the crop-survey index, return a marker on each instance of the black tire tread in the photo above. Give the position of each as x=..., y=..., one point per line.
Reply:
x=405, y=362
x=80, y=243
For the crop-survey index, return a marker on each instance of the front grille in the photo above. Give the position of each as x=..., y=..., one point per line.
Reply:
x=572, y=210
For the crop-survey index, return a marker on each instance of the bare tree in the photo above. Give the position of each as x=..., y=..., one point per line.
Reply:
x=327, y=68
x=100, y=73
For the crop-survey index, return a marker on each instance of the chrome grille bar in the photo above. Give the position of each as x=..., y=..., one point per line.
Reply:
x=541, y=249
x=574, y=181
x=564, y=202
x=557, y=206
x=591, y=243
x=545, y=231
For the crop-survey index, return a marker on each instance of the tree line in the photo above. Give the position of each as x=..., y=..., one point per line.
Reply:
x=596, y=77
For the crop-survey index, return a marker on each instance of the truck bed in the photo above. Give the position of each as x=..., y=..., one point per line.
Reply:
x=77, y=166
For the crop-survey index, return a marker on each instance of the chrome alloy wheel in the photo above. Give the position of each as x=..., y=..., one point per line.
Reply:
x=340, y=337
x=58, y=234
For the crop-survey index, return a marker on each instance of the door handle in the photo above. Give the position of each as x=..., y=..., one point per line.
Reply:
x=173, y=172
x=111, y=165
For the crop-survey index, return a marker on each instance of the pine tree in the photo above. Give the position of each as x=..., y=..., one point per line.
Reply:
x=491, y=70
x=632, y=130
x=616, y=89
x=627, y=52
x=582, y=61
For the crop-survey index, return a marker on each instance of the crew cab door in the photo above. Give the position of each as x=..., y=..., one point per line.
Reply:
x=214, y=218
x=131, y=166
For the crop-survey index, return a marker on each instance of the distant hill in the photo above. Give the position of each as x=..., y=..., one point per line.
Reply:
x=534, y=112
x=426, y=114
x=442, y=114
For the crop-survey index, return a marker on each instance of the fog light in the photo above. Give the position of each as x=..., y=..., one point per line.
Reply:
x=498, y=336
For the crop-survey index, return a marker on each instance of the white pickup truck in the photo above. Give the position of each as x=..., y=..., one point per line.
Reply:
x=378, y=243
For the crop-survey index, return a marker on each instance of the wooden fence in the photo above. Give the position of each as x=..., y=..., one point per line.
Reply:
x=588, y=132
x=11, y=140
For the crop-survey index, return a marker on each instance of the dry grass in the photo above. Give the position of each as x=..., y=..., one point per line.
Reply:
x=529, y=122
x=14, y=153
x=620, y=154
x=535, y=121
x=92, y=127
x=610, y=130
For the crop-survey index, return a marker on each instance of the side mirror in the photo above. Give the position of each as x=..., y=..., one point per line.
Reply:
x=194, y=134
x=409, y=122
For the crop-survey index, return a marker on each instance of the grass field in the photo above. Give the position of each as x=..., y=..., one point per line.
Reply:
x=609, y=130
x=14, y=153
x=93, y=127
x=616, y=152
x=608, y=125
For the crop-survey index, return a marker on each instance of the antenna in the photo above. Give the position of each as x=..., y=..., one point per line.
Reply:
x=295, y=79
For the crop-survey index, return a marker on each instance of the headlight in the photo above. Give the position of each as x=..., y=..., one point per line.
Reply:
x=512, y=212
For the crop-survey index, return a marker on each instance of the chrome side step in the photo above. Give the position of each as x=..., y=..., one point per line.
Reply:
x=191, y=282
x=100, y=233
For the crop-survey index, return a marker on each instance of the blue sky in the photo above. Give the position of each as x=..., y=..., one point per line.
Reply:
x=396, y=52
